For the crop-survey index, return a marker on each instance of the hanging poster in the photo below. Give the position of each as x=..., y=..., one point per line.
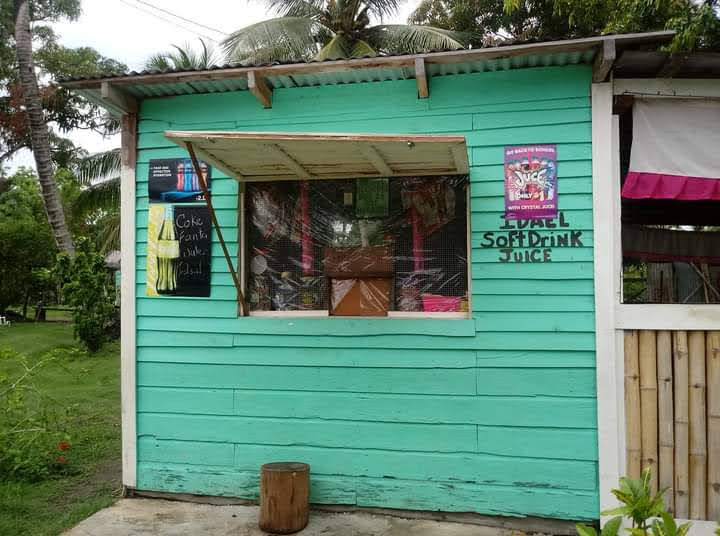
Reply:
x=531, y=182
x=174, y=180
x=178, y=251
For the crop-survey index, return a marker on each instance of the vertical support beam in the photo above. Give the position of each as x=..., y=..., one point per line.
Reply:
x=128, y=156
x=682, y=441
x=258, y=87
x=666, y=435
x=649, y=404
x=208, y=201
x=632, y=405
x=421, y=79
x=713, y=424
x=609, y=358
x=698, y=425
x=604, y=60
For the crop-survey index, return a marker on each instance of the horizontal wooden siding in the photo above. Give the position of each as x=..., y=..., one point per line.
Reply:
x=495, y=415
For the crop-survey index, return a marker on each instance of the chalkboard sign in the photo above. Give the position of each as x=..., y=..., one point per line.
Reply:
x=178, y=259
x=174, y=180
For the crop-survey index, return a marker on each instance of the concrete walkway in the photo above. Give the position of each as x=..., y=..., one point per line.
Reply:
x=136, y=517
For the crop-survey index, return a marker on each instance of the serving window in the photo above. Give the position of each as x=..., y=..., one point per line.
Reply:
x=357, y=247
x=670, y=200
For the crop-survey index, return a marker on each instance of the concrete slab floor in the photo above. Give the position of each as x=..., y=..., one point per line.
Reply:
x=140, y=517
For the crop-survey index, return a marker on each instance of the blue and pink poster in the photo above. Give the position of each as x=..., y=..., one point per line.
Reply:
x=173, y=180
x=531, y=182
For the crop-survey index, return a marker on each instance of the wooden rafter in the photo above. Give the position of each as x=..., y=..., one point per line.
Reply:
x=605, y=60
x=421, y=79
x=259, y=88
x=208, y=201
x=459, y=153
x=289, y=161
x=376, y=159
x=116, y=101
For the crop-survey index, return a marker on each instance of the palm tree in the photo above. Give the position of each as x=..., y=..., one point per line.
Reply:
x=184, y=58
x=39, y=129
x=99, y=176
x=333, y=29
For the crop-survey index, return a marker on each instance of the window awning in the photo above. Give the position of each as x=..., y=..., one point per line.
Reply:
x=265, y=156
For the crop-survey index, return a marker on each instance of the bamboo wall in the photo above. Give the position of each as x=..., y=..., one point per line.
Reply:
x=672, y=414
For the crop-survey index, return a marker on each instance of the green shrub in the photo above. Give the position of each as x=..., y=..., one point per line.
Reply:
x=34, y=443
x=87, y=287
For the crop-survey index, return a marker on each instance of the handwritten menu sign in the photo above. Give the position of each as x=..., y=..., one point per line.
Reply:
x=173, y=180
x=192, y=225
x=178, y=251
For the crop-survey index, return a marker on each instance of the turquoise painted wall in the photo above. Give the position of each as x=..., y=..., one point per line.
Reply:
x=495, y=415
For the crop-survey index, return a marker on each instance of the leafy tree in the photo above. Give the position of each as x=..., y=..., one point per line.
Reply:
x=184, y=58
x=333, y=29
x=87, y=286
x=492, y=22
x=38, y=127
x=27, y=248
x=98, y=200
x=63, y=109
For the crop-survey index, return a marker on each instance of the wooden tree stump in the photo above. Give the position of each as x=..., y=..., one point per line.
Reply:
x=284, y=497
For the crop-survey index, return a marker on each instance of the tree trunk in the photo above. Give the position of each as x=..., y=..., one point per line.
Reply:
x=38, y=128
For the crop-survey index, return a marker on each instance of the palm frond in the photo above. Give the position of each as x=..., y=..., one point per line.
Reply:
x=279, y=39
x=103, y=196
x=297, y=8
x=336, y=49
x=382, y=8
x=97, y=167
x=362, y=49
x=404, y=39
x=184, y=57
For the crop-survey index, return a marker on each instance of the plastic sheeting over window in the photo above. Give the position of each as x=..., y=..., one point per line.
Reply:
x=358, y=247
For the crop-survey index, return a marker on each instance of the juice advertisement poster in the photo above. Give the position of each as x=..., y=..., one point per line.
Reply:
x=531, y=182
x=173, y=180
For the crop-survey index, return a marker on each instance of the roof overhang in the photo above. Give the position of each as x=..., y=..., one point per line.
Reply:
x=268, y=156
x=120, y=94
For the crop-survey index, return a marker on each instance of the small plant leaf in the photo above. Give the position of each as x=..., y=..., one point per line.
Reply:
x=585, y=530
x=612, y=527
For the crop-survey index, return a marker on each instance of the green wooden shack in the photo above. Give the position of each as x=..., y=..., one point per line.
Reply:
x=398, y=270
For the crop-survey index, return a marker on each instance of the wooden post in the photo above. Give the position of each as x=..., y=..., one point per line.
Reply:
x=698, y=422
x=713, y=424
x=666, y=444
x=648, y=404
x=632, y=404
x=284, y=497
x=680, y=366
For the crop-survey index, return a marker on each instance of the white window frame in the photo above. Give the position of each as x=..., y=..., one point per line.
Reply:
x=612, y=317
x=242, y=268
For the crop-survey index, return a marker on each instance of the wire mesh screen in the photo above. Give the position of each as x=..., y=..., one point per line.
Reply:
x=358, y=246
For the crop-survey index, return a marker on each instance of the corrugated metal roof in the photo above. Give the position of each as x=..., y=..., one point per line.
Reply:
x=151, y=84
x=143, y=91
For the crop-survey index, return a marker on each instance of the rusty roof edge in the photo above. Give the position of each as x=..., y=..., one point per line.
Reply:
x=454, y=56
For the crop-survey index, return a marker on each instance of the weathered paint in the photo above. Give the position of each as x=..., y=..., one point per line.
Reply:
x=494, y=414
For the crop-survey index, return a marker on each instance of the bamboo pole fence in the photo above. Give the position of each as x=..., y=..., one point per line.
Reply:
x=672, y=417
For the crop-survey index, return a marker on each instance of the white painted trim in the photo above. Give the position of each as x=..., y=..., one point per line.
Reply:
x=290, y=314
x=127, y=310
x=667, y=87
x=606, y=226
x=428, y=314
x=668, y=316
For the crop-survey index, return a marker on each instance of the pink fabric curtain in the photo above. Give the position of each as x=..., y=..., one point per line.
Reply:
x=675, y=150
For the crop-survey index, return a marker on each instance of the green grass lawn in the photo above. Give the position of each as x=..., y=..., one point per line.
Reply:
x=90, y=387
